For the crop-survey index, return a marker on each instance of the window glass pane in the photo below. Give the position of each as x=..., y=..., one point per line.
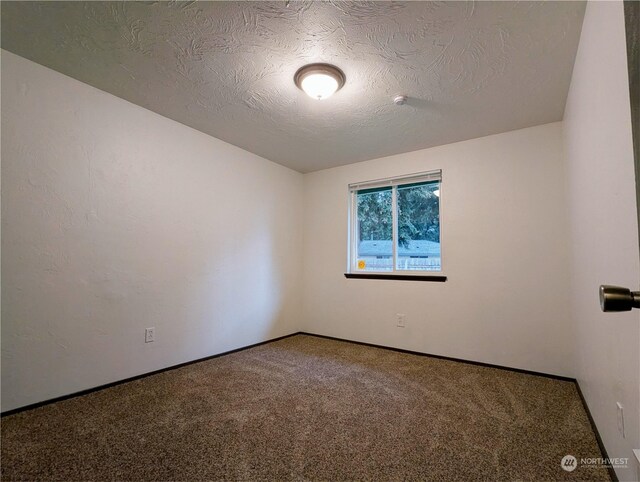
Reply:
x=418, y=244
x=374, y=251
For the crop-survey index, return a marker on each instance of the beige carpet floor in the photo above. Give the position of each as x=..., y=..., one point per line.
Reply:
x=308, y=408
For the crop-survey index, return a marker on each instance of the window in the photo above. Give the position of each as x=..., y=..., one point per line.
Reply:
x=395, y=225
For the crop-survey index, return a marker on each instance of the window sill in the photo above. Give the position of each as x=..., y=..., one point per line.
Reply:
x=402, y=277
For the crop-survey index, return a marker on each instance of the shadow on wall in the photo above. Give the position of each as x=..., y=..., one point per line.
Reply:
x=240, y=288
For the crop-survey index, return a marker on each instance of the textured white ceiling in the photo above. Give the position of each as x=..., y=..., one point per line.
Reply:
x=226, y=68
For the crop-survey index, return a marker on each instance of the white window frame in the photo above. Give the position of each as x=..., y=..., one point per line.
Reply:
x=394, y=183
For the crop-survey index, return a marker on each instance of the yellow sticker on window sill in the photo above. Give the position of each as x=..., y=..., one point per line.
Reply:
x=362, y=264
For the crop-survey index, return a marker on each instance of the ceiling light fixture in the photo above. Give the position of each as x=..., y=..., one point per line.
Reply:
x=319, y=81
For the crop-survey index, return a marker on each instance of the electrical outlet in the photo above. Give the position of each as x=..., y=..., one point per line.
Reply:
x=620, y=417
x=400, y=320
x=150, y=335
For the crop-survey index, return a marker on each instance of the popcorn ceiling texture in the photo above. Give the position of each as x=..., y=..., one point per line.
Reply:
x=226, y=68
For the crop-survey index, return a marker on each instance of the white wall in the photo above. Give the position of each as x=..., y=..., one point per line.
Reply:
x=604, y=236
x=504, y=241
x=115, y=219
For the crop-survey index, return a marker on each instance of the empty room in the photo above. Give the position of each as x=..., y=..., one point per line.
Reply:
x=320, y=240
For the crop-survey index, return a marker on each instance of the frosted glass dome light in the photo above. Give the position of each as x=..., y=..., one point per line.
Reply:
x=319, y=86
x=319, y=81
